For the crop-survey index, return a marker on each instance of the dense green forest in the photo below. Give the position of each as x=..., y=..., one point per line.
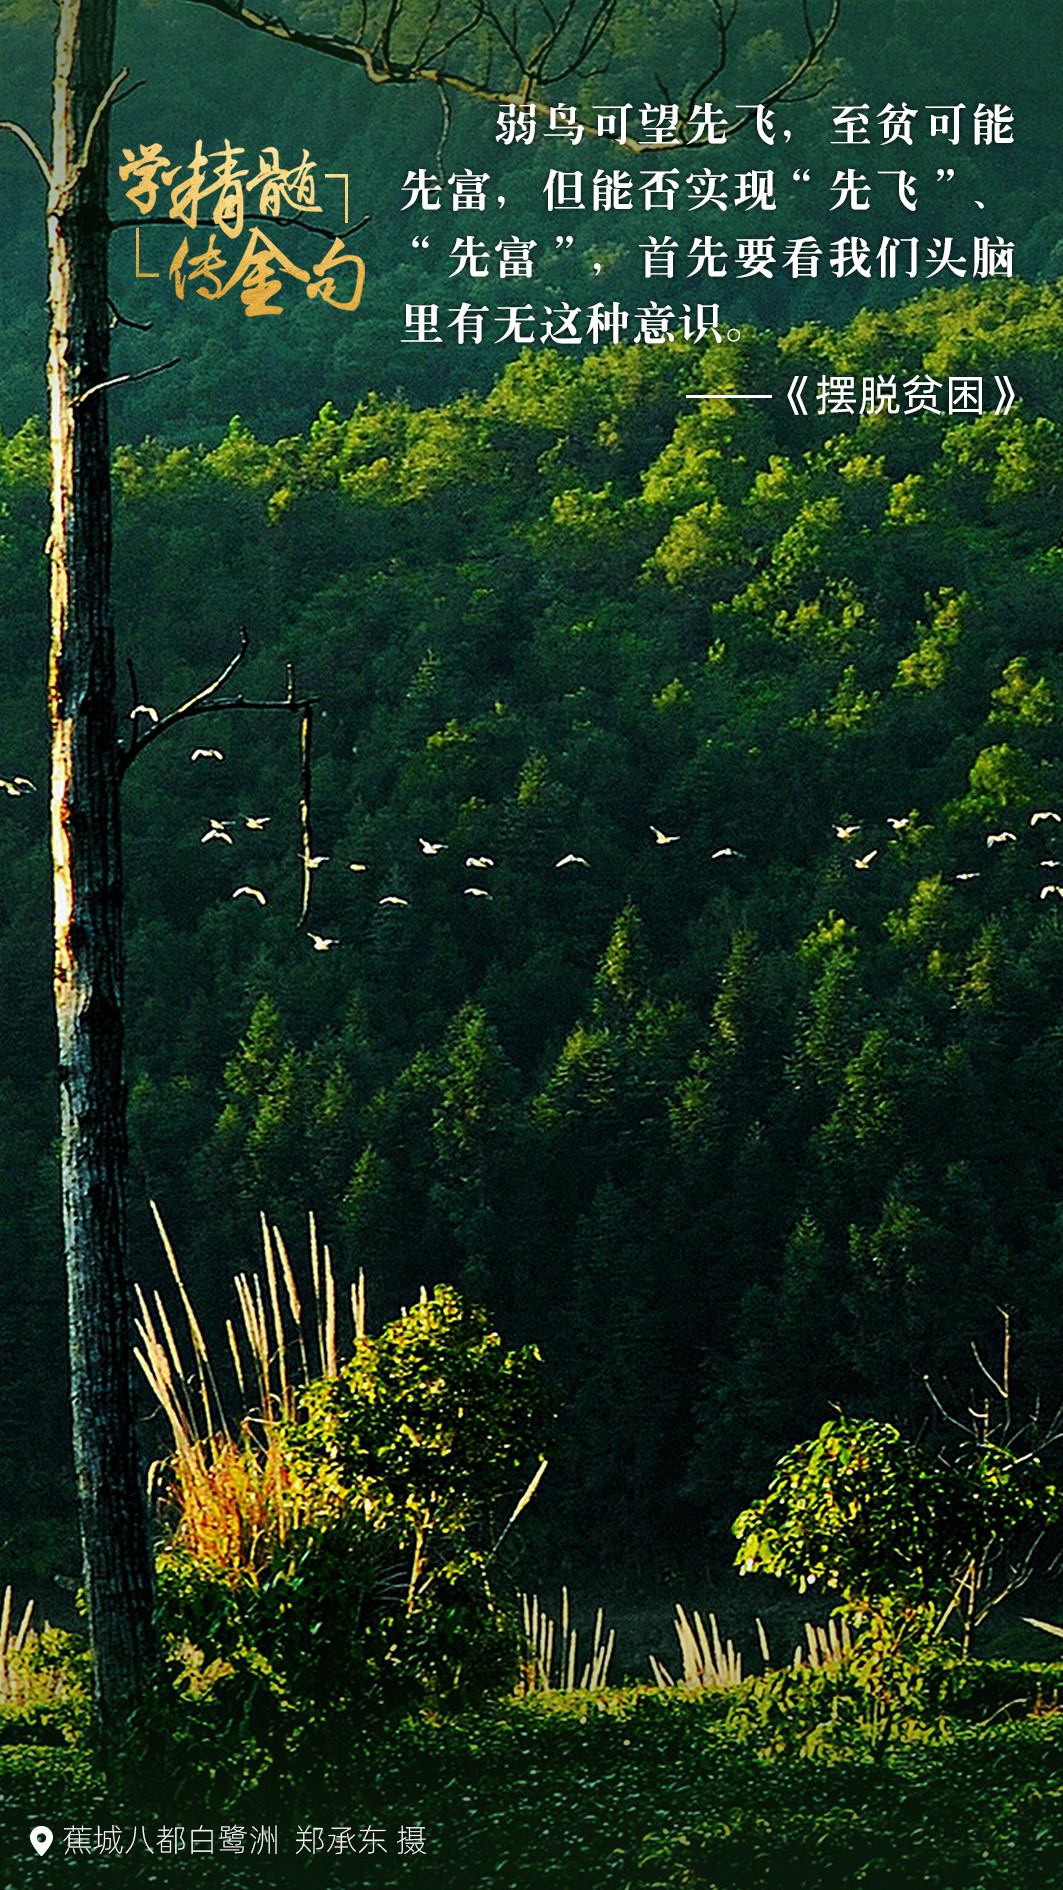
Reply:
x=739, y=1118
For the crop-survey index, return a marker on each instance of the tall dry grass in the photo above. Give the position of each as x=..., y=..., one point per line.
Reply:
x=543, y=1641
x=231, y=1490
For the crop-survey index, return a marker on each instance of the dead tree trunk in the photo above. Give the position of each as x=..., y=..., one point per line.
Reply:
x=86, y=854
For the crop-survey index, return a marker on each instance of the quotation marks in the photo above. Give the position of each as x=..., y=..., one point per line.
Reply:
x=565, y=242
x=946, y=177
x=802, y=177
x=419, y=242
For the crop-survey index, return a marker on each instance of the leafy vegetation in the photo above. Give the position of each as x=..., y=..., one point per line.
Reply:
x=637, y=1790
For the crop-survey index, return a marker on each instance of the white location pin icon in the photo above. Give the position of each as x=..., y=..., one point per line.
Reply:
x=40, y=1838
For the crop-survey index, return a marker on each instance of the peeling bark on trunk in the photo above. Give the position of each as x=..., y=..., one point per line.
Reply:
x=86, y=853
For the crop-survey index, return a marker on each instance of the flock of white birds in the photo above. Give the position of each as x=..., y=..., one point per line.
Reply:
x=846, y=831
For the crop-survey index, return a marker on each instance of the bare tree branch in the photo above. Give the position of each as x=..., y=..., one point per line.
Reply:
x=208, y=702
x=306, y=732
x=563, y=41
x=34, y=149
x=106, y=101
x=250, y=216
x=118, y=320
x=120, y=380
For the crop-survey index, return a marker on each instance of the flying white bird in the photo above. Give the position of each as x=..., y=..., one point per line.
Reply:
x=898, y=825
x=216, y=833
x=431, y=847
x=847, y=833
x=968, y=876
x=359, y=866
x=392, y=899
x=144, y=708
x=478, y=892
x=1045, y=814
x=865, y=860
x=207, y=754
x=728, y=853
x=663, y=839
x=256, y=822
x=998, y=839
x=479, y=860
x=252, y=893
x=313, y=860
x=572, y=859
x=19, y=785
x=321, y=944
x=1048, y=862
x=1045, y=890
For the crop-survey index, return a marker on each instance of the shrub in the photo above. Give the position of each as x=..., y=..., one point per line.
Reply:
x=329, y=1559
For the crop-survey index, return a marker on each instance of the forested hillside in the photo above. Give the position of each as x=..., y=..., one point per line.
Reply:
x=751, y=1106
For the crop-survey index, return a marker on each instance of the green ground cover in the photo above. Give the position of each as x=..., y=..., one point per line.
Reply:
x=627, y=1788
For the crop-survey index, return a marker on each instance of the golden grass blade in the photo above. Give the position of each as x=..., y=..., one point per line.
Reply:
x=294, y=1303
x=263, y=1343
x=275, y=1308
x=24, y=1628
x=235, y=1350
x=199, y=1348
x=315, y=1275
x=332, y=1368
